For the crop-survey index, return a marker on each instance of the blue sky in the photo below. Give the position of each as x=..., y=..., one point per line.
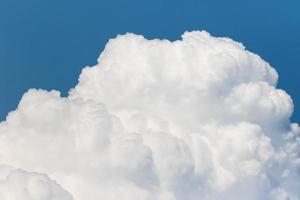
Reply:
x=44, y=44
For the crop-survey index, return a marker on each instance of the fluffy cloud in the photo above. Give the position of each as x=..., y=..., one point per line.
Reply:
x=19, y=184
x=197, y=118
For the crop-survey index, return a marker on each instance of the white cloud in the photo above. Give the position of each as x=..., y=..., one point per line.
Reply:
x=19, y=184
x=197, y=118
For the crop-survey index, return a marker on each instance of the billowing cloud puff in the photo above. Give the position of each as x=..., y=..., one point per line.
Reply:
x=197, y=118
x=23, y=185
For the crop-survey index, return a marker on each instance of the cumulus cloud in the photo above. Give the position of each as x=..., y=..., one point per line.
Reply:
x=19, y=184
x=197, y=118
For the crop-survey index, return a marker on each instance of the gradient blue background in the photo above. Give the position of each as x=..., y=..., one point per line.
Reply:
x=44, y=44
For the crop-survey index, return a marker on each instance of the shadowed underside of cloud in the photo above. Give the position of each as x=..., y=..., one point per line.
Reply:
x=197, y=118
